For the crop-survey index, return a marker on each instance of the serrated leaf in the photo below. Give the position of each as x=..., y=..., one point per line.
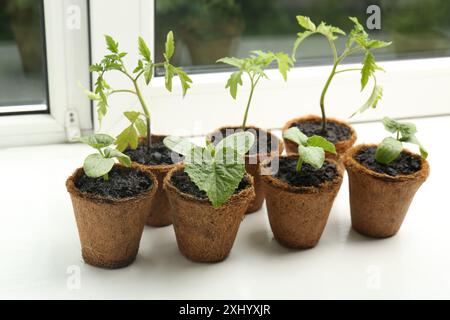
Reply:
x=170, y=46
x=306, y=23
x=284, y=63
x=314, y=156
x=95, y=68
x=132, y=115
x=232, y=61
x=148, y=73
x=376, y=44
x=184, y=80
x=373, y=100
x=112, y=45
x=368, y=69
x=233, y=82
x=169, y=73
x=295, y=135
x=127, y=138
x=113, y=153
x=144, y=50
x=98, y=140
x=321, y=142
x=329, y=31
x=96, y=166
x=139, y=67
x=141, y=127
x=388, y=150
x=300, y=37
x=102, y=109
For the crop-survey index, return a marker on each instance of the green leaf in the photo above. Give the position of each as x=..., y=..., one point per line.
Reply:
x=144, y=50
x=132, y=115
x=127, y=137
x=139, y=67
x=329, y=31
x=184, y=79
x=95, y=68
x=388, y=150
x=368, y=69
x=321, y=142
x=314, y=156
x=233, y=82
x=413, y=139
x=241, y=142
x=170, y=46
x=98, y=140
x=295, y=135
x=219, y=181
x=141, y=127
x=112, y=45
x=407, y=129
x=179, y=145
x=235, y=62
x=390, y=125
x=373, y=100
x=113, y=153
x=168, y=76
x=376, y=44
x=284, y=63
x=300, y=37
x=96, y=166
x=102, y=109
x=148, y=73
x=306, y=23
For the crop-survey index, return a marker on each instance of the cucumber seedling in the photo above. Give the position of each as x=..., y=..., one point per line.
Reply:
x=254, y=67
x=217, y=170
x=140, y=122
x=390, y=148
x=100, y=164
x=358, y=41
x=311, y=150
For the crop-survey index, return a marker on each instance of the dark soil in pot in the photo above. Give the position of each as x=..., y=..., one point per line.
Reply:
x=268, y=145
x=111, y=214
x=341, y=134
x=298, y=204
x=205, y=233
x=380, y=195
x=158, y=161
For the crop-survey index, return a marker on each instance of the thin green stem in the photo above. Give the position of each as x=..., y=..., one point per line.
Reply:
x=123, y=91
x=105, y=177
x=253, y=84
x=347, y=70
x=322, y=96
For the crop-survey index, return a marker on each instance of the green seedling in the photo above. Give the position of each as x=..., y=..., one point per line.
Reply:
x=254, y=67
x=140, y=122
x=217, y=170
x=100, y=164
x=311, y=150
x=358, y=41
x=390, y=148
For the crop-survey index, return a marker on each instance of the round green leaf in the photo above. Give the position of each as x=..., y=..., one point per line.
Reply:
x=98, y=140
x=388, y=150
x=96, y=166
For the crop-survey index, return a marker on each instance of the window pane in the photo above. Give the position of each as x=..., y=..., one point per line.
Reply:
x=206, y=30
x=22, y=64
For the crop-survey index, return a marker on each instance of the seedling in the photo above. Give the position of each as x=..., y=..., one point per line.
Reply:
x=254, y=67
x=217, y=170
x=100, y=164
x=311, y=150
x=358, y=41
x=390, y=148
x=140, y=122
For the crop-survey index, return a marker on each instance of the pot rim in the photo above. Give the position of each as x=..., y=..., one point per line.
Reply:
x=327, y=186
x=247, y=156
x=74, y=191
x=353, y=165
x=313, y=117
x=169, y=187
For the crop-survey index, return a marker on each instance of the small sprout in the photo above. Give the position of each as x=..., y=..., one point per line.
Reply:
x=391, y=148
x=358, y=41
x=254, y=67
x=100, y=164
x=311, y=150
x=140, y=122
x=217, y=170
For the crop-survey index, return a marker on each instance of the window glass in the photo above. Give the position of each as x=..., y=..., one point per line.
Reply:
x=206, y=30
x=22, y=59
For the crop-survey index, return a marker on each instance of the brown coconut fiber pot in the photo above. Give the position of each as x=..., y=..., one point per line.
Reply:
x=298, y=215
x=109, y=230
x=341, y=146
x=379, y=202
x=252, y=166
x=205, y=233
x=160, y=214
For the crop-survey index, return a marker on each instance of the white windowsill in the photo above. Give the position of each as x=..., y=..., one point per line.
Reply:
x=39, y=241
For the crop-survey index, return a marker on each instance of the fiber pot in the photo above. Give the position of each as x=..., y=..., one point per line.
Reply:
x=378, y=201
x=341, y=146
x=298, y=215
x=205, y=233
x=110, y=229
x=252, y=164
x=159, y=215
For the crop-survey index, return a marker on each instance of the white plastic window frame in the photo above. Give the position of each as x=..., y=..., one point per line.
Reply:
x=412, y=88
x=67, y=48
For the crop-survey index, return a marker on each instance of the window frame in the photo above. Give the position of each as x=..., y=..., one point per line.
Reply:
x=63, y=74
